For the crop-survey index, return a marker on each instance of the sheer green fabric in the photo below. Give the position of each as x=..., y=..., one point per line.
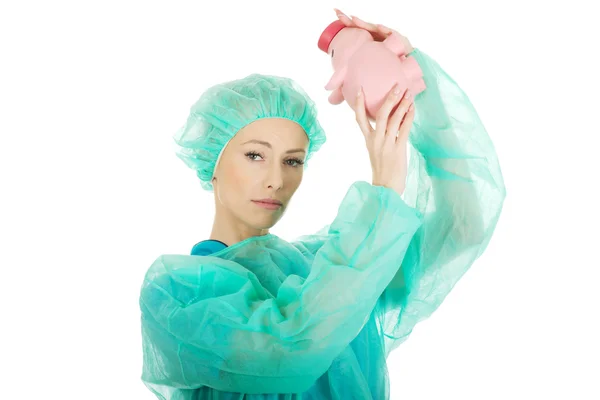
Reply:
x=268, y=316
x=224, y=109
x=316, y=318
x=455, y=181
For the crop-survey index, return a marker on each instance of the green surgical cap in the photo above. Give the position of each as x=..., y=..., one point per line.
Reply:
x=224, y=109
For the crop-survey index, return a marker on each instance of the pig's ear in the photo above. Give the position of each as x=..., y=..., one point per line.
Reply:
x=337, y=79
x=395, y=43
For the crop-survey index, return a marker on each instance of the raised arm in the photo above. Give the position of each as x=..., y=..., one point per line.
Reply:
x=209, y=321
x=455, y=181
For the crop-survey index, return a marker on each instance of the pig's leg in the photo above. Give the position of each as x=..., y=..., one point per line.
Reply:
x=414, y=74
x=336, y=96
x=337, y=79
x=417, y=86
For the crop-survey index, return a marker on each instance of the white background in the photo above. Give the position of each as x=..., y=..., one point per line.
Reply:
x=92, y=92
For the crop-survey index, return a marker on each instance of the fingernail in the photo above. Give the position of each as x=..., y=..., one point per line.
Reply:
x=407, y=94
x=412, y=107
x=359, y=92
x=397, y=89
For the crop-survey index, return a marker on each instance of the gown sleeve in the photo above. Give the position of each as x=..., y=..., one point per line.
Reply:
x=208, y=321
x=454, y=180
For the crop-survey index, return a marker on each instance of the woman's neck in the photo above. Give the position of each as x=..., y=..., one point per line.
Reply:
x=230, y=230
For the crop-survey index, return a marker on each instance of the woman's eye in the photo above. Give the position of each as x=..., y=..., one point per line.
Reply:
x=253, y=156
x=294, y=163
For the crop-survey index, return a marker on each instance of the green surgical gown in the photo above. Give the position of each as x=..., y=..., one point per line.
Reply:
x=316, y=318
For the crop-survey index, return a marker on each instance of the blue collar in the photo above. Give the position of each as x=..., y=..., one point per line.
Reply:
x=207, y=247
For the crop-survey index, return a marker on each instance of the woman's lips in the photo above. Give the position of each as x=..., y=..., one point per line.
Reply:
x=268, y=204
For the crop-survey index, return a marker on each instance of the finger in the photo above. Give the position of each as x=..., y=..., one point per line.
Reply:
x=361, y=115
x=384, y=30
x=384, y=111
x=372, y=28
x=398, y=115
x=406, y=125
x=344, y=18
x=363, y=24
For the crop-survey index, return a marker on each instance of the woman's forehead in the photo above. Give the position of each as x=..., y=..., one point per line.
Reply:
x=277, y=130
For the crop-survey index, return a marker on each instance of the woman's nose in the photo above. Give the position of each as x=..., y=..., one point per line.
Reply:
x=275, y=177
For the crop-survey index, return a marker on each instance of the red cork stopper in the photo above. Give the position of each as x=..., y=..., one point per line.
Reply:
x=329, y=33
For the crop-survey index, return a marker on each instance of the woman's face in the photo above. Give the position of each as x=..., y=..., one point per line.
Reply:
x=263, y=161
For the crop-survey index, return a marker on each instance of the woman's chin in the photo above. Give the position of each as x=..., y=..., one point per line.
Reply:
x=266, y=222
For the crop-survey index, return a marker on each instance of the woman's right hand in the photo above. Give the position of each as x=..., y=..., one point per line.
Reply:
x=378, y=31
x=387, y=142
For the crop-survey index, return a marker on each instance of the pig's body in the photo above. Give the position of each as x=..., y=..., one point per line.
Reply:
x=376, y=66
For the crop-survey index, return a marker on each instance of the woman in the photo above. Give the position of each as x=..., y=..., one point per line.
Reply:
x=250, y=316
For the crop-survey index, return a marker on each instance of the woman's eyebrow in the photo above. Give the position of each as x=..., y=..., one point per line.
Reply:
x=296, y=151
x=267, y=144
x=259, y=142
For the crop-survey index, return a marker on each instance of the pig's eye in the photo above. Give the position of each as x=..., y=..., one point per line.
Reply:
x=332, y=50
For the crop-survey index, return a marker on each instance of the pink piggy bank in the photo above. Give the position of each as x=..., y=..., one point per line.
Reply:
x=358, y=60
